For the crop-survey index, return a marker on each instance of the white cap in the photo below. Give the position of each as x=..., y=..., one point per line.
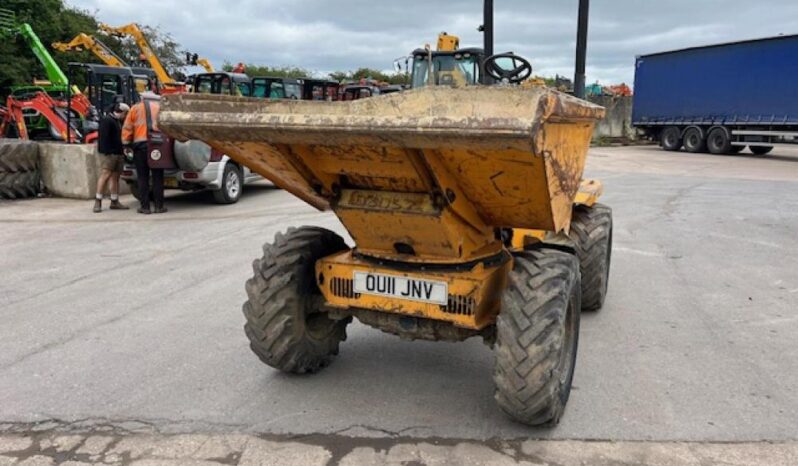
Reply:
x=149, y=95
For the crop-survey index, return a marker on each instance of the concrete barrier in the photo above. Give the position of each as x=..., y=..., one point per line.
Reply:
x=617, y=124
x=71, y=170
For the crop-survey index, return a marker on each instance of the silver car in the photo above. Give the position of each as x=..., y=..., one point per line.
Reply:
x=201, y=169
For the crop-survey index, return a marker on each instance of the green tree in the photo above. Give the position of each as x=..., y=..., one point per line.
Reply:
x=368, y=73
x=276, y=71
x=53, y=21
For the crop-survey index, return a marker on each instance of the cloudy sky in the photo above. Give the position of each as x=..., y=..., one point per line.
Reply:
x=329, y=35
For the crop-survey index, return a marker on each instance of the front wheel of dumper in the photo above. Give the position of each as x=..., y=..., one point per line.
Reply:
x=591, y=232
x=537, y=336
x=286, y=326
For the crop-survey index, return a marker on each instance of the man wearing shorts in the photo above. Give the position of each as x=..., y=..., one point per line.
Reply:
x=109, y=148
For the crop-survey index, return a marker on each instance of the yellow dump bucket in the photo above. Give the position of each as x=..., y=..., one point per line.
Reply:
x=435, y=169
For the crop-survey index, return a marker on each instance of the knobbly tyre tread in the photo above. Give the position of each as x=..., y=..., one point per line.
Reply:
x=591, y=232
x=531, y=330
x=281, y=292
x=19, y=156
x=19, y=185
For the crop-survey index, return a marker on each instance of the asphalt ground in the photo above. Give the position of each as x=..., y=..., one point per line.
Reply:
x=133, y=324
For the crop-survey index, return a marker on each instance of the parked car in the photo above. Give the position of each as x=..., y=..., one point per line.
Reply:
x=201, y=168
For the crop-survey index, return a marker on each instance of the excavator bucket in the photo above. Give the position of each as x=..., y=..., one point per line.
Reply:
x=427, y=175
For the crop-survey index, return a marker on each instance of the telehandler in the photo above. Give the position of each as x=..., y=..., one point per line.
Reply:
x=467, y=209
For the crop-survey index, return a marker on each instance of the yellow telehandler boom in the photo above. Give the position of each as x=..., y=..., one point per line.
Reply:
x=86, y=42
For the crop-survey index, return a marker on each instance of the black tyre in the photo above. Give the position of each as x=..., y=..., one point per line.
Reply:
x=694, y=141
x=537, y=336
x=736, y=149
x=591, y=232
x=760, y=150
x=232, y=185
x=19, y=156
x=286, y=328
x=719, y=141
x=19, y=185
x=671, y=139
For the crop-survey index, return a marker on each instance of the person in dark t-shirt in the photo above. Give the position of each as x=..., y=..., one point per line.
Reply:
x=111, y=160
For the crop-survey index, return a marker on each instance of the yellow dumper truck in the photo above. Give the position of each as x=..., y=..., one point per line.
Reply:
x=468, y=214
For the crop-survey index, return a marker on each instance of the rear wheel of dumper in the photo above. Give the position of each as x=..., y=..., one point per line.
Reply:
x=671, y=139
x=285, y=324
x=591, y=232
x=694, y=141
x=537, y=336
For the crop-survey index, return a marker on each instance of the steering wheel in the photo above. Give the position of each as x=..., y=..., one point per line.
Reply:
x=521, y=70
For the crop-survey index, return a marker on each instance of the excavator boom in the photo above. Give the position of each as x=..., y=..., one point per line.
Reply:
x=98, y=48
x=133, y=30
x=9, y=26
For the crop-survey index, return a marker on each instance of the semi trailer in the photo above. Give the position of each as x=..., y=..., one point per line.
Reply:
x=720, y=98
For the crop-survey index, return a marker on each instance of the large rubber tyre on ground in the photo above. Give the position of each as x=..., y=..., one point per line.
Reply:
x=19, y=156
x=671, y=139
x=591, y=232
x=694, y=141
x=232, y=185
x=760, y=150
x=537, y=336
x=19, y=169
x=285, y=324
x=19, y=185
x=719, y=141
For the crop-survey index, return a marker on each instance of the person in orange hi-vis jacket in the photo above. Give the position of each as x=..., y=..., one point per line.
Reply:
x=135, y=133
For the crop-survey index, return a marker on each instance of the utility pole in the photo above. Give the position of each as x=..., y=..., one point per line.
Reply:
x=487, y=31
x=581, y=49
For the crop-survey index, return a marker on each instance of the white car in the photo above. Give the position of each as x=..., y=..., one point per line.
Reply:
x=214, y=171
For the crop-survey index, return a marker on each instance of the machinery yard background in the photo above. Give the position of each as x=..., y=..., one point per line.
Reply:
x=696, y=343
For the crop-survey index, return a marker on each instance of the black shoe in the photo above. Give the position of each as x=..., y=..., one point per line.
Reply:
x=161, y=210
x=98, y=206
x=144, y=211
x=116, y=205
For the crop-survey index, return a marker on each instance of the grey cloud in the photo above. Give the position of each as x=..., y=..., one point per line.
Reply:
x=345, y=34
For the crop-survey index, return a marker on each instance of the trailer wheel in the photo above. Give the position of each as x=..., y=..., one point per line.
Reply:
x=286, y=328
x=671, y=139
x=760, y=150
x=694, y=141
x=537, y=336
x=591, y=232
x=719, y=141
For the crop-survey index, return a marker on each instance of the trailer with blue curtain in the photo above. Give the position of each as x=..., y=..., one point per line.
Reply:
x=720, y=98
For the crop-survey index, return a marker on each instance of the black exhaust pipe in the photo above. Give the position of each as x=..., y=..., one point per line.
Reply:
x=487, y=31
x=581, y=49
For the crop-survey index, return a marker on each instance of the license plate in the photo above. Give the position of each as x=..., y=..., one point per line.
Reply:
x=395, y=286
x=170, y=182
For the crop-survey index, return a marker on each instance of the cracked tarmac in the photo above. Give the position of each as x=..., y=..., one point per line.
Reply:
x=122, y=343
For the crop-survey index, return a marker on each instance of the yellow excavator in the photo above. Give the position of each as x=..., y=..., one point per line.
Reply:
x=132, y=30
x=98, y=48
